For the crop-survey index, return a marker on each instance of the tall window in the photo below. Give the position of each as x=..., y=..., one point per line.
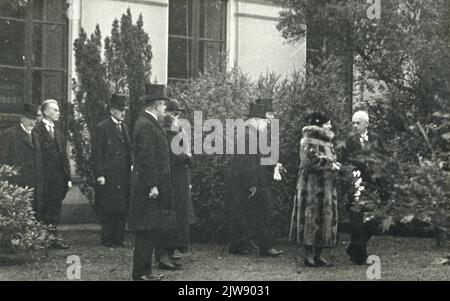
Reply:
x=33, y=53
x=196, y=35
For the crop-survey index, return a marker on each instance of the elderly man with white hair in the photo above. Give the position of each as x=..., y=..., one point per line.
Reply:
x=55, y=163
x=359, y=145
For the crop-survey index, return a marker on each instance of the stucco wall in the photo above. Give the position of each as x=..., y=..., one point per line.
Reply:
x=256, y=45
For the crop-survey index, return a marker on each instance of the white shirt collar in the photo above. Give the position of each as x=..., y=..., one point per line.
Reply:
x=115, y=120
x=148, y=112
x=48, y=123
x=25, y=129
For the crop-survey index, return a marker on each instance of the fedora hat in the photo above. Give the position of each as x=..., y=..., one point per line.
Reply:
x=154, y=92
x=267, y=102
x=257, y=110
x=118, y=101
x=30, y=111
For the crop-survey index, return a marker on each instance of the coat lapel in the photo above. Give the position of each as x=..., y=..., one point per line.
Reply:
x=24, y=136
x=123, y=137
x=155, y=122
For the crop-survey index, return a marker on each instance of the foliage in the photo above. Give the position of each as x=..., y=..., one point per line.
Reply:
x=19, y=229
x=124, y=69
x=89, y=107
x=128, y=56
x=404, y=58
x=222, y=94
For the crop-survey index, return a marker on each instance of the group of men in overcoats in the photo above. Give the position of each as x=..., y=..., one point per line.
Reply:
x=37, y=148
x=141, y=184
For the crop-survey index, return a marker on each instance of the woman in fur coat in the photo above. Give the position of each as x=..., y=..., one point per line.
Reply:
x=314, y=215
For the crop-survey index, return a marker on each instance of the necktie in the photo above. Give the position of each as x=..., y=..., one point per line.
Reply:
x=51, y=132
x=119, y=127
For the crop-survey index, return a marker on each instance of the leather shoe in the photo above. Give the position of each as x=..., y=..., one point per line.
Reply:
x=169, y=266
x=322, y=263
x=177, y=264
x=309, y=263
x=271, y=253
x=157, y=277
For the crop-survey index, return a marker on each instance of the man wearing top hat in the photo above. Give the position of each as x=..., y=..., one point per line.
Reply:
x=150, y=201
x=248, y=203
x=21, y=149
x=55, y=162
x=111, y=154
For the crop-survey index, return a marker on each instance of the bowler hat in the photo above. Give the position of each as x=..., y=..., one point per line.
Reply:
x=267, y=102
x=174, y=105
x=257, y=110
x=30, y=110
x=154, y=92
x=118, y=101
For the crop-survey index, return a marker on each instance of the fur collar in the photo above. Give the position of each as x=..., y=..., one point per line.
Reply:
x=313, y=131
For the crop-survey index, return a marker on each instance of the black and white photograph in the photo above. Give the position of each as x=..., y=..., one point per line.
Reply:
x=228, y=141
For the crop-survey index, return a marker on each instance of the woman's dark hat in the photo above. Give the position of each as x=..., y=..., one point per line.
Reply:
x=174, y=105
x=267, y=102
x=317, y=119
x=30, y=111
x=118, y=101
x=257, y=110
x=154, y=92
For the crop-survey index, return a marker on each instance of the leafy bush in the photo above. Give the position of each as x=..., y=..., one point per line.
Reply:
x=20, y=232
x=225, y=94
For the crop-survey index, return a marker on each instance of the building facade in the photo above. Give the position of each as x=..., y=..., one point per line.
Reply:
x=36, y=42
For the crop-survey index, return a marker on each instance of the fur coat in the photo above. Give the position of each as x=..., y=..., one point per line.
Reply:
x=314, y=217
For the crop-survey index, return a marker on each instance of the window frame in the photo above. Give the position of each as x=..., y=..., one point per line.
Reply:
x=30, y=22
x=193, y=65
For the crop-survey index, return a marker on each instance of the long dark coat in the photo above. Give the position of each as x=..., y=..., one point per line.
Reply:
x=315, y=210
x=151, y=169
x=245, y=215
x=18, y=151
x=55, y=160
x=181, y=192
x=111, y=154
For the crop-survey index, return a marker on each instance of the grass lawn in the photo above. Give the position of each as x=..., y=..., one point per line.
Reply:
x=401, y=259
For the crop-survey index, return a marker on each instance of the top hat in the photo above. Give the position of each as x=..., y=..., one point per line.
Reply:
x=154, y=92
x=30, y=111
x=174, y=105
x=118, y=101
x=267, y=102
x=317, y=118
x=257, y=110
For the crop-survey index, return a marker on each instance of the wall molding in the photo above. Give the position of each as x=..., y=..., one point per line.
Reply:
x=259, y=17
x=261, y=2
x=143, y=2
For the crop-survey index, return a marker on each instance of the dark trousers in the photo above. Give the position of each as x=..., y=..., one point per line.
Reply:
x=253, y=224
x=145, y=242
x=360, y=232
x=54, y=193
x=113, y=229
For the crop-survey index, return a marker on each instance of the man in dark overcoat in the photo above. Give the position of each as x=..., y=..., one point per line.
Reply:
x=111, y=155
x=150, y=202
x=358, y=147
x=248, y=203
x=55, y=162
x=181, y=162
x=21, y=149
